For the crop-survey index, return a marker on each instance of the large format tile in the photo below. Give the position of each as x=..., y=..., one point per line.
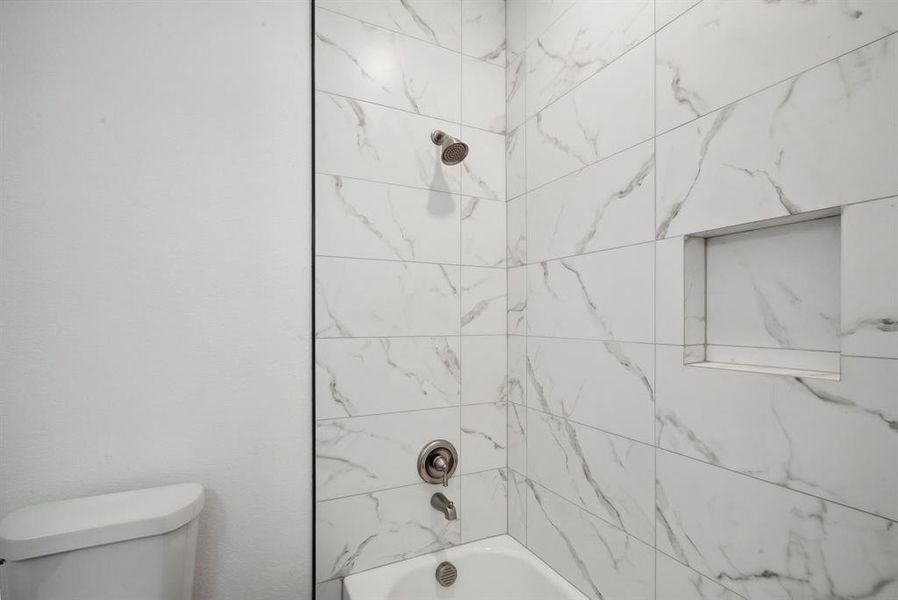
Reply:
x=356, y=298
x=517, y=437
x=482, y=94
x=610, y=476
x=369, y=530
x=539, y=15
x=517, y=369
x=517, y=300
x=769, y=41
x=515, y=29
x=483, y=509
x=483, y=232
x=516, y=236
x=436, y=22
x=608, y=113
x=678, y=582
x=583, y=41
x=680, y=291
x=608, y=204
x=483, y=437
x=483, y=30
x=601, y=560
x=369, y=63
x=363, y=454
x=765, y=541
x=359, y=376
x=515, y=165
x=517, y=506
x=668, y=10
x=373, y=142
x=483, y=375
x=603, y=384
x=483, y=171
x=810, y=435
x=363, y=219
x=606, y=296
x=826, y=138
x=483, y=298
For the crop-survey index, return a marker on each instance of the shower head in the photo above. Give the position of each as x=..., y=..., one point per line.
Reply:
x=452, y=150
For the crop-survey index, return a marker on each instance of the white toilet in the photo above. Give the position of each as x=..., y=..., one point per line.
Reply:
x=137, y=545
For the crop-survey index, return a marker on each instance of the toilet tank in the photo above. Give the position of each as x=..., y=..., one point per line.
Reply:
x=137, y=545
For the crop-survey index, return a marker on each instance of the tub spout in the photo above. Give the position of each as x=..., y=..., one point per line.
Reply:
x=444, y=505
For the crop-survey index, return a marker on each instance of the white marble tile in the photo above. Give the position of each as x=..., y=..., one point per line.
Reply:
x=482, y=94
x=483, y=30
x=517, y=503
x=483, y=171
x=516, y=237
x=517, y=437
x=483, y=232
x=870, y=279
x=610, y=203
x=834, y=439
x=601, y=560
x=483, y=374
x=483, y=300
x=765, y=541
x=582, y=42
x=363, y=376
x=483, y=509
x=515, y=84
x=540, y=14
x=776, y=40
x=483, y=437
x=678, y=582
x=363, y=454
x=515, y=29
x=517, y=300
x=380, y=298
x=329, y=590
x=603, y=384
x=610, y=476
x=515, y=163
x=517, y=369
x=776, y=287
x=369, y=530
x=364, y=219
x=668, y=10
x=369, y=63
x=826, y=138
x=607, y=295
x=377, y=143
x=435, y=22
x=669, y=292
x=608, y=113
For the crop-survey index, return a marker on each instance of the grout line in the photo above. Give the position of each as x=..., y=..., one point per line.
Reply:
x=655, y=307
x=699, y=573
x=404, y=485
x=405, y=185
x=406, y=411
x=409, y=262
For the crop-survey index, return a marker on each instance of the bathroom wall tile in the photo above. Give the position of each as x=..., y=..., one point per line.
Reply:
x=668, y=10
x=517, y=300
x=610, y=203
x=483, y=437
x=363, y=454
x=482, y=94
x=483, y=301
x=765, y=541
x=607, y=385
x=363, y=376
x=365, y=531
x=870, y=279
x=515, y=166
x=483, y=374
x=775, y=41
x=329, y=590
x=610, y=476
x=607, y=295
x=483, y=232
x=541, y=14
x=776, y=287
x=517, y=437
x=369, y=63
x=363, y=219
x=483, y=30
x=601, y=560
x=379, y=298
x=826, y=138
x=517, y=369
x=373, y=142
x=678, y=582
x=583, y=41
x=435, y=22
x=517, y=503
x=483, y=509
x=608, y=113
x=680, y=291
x=515, y=29
x=517, y=232
x=483, y=171
x=807, y=434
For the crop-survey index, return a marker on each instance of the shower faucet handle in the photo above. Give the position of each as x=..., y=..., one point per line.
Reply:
x=437, y=462
x=440, y=464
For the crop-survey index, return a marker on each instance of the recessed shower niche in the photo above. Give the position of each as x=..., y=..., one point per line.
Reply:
x=765, y=297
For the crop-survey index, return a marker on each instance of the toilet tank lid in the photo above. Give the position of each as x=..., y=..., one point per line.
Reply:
x=44, y=529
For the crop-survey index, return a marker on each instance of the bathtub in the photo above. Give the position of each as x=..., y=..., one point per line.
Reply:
x=492, y=569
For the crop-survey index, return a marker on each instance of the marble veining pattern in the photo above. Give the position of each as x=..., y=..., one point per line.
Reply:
x=435, y=22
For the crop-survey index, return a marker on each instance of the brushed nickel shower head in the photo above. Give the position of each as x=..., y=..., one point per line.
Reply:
x=452, y=150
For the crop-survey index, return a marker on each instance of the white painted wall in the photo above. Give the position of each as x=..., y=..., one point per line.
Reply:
x=155, y=262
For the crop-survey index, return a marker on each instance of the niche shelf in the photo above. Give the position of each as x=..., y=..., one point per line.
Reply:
x=765, y=297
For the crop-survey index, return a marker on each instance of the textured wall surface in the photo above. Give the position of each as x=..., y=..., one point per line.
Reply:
x=410, y=276
x=155, y=291
x=631, y=125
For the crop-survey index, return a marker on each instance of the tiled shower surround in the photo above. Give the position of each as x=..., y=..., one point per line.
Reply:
x=628, y=127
